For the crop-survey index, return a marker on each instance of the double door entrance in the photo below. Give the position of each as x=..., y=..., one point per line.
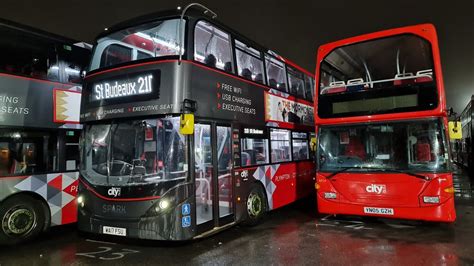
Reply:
x=213, y=175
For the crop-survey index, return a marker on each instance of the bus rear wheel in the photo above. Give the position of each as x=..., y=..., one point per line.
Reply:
x=21, y=218
x=256, y=206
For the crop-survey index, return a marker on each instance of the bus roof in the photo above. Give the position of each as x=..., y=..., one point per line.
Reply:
x=41, y=33
x=195, y=14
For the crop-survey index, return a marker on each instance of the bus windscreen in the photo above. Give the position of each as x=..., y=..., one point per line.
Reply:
x=154, y=39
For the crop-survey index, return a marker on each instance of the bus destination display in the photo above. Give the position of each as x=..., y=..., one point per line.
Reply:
x=131, y=85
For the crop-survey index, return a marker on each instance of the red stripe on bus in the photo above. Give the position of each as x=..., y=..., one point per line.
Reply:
x=114, y=199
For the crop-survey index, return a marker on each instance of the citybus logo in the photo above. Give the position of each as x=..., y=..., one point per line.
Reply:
x=377, y=189
x=114, y=191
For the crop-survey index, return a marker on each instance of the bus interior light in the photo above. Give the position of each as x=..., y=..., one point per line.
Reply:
x=428, y=199
x=330, y=195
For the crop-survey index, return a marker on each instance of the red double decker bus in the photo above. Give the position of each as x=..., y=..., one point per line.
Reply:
x=382, y=127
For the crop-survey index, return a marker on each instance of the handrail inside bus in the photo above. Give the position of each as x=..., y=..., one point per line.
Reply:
x=405, y=76
x=206, y=11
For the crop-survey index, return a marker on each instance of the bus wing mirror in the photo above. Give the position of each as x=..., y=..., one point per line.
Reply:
x=186, y=124
x=455, y=131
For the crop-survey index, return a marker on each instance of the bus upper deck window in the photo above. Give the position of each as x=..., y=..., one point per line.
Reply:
x=276, y=73
x=153, y=39
x=212, y=47
x=249, y=63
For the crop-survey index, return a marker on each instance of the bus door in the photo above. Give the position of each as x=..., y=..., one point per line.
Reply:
x=213, y=179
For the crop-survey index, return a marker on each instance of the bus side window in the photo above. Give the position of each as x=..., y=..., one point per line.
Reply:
x=72, y=150
x=276, y=73
x=254, y=151
x=212, y=47
x=309, y=87
x=300, y=146
x=5, y=158
x=249, y=63
x=295, y=78
x=27, y=152
x=115, y=54
x=280, y=143
x=28, y=55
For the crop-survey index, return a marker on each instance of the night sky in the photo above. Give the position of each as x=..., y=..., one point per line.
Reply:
x=293, y=29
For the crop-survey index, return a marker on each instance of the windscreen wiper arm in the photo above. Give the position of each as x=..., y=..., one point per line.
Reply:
x=341, y=171
x=408, y=173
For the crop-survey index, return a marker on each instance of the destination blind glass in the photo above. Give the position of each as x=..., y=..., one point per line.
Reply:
x=131, y=87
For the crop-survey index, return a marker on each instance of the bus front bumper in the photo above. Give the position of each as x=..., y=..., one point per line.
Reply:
x=444, y=212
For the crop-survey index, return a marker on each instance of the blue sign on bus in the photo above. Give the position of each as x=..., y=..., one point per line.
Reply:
x=186, y=221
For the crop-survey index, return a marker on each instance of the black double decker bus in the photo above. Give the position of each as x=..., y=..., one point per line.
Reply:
x=189, y=128
x=463, y=152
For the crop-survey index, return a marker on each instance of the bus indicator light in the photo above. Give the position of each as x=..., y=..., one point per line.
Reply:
x=449, y=190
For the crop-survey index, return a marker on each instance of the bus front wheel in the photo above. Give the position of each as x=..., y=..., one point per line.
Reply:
x=21, y=218
x=256, y=205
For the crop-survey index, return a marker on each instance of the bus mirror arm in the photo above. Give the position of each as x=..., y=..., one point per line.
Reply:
x=188, y=106
x=207, y=11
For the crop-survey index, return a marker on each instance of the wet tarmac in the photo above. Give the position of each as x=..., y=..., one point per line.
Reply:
x=294, y=235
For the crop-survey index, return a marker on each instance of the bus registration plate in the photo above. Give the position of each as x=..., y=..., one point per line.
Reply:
x=116, y=231
x=373, y=210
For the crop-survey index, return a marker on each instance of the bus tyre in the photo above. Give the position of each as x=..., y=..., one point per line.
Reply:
x=21, y=218
x=256, y=206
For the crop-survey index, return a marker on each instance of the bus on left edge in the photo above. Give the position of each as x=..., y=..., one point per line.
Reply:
x=40, y=93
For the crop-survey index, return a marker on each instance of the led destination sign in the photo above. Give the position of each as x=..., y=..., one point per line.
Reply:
x=129, y=86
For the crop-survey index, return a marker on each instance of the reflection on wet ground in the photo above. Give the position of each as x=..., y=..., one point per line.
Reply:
x=294, y=235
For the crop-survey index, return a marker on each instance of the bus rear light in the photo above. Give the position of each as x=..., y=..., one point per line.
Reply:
x=449, y=190
x=330, y=195
x=317, y=186
x=433, y=200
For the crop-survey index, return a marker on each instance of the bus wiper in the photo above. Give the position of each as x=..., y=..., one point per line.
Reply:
x=407, y=172
x=345, y=169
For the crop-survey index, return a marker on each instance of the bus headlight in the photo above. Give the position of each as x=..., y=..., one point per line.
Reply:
x=80, y=200
x=164, y=204
x=329, y=195
x=428, y=199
